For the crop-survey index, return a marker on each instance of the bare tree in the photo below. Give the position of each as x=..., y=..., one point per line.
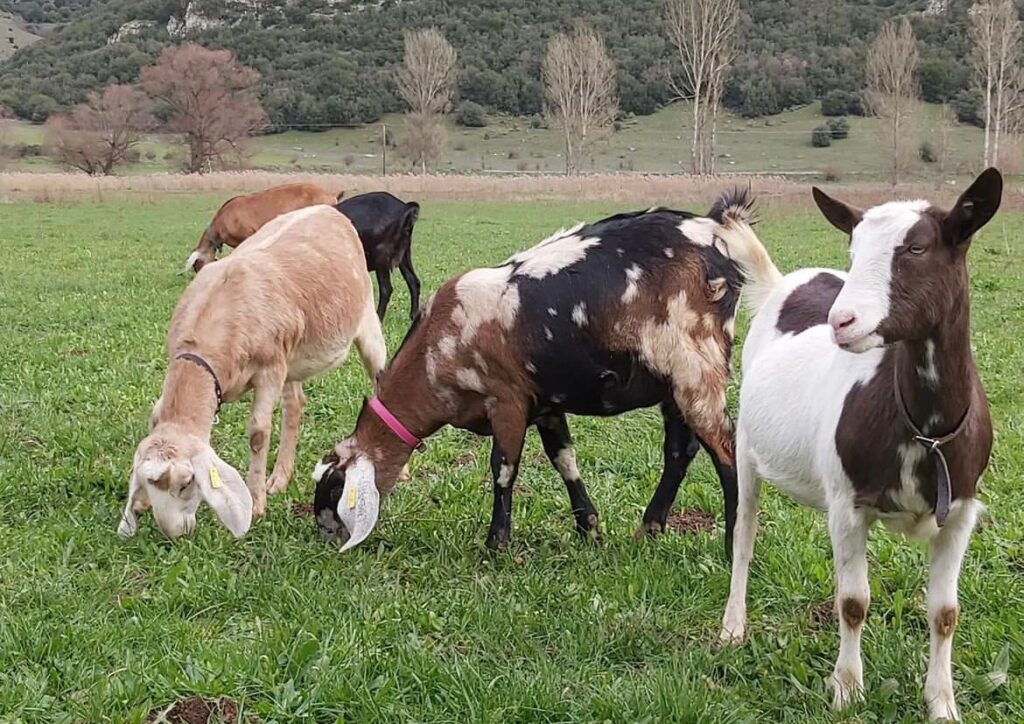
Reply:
x=704, y=35
x=98, y=135
x=426, y=82
x=892, y=90
x=995, y=32
x=211, y=99
x=579, y=84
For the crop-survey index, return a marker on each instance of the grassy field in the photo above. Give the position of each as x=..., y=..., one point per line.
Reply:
x=657, y=143
x=421, y=623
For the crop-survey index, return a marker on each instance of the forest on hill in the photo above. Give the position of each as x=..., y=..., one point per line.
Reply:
x=331, y=62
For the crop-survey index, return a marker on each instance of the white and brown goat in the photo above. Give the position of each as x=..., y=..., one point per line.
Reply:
x=860, y=397
x=633, y=311
x=285, y=307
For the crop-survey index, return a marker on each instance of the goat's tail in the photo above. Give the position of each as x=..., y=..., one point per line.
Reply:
x=734, y=212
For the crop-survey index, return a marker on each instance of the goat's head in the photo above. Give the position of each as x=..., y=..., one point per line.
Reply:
x=347, y=501
x=174, y=472
x=908, y=267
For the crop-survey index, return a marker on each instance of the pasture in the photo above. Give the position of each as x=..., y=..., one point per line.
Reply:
x=421, y=622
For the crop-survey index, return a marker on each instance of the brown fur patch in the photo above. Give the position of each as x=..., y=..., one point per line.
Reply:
x=945, y=621
x=807, y=305
x=854, y=612
x=257, y=440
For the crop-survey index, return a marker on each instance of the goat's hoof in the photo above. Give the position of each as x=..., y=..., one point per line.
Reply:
x=846, y=689
x=278, y=483
x=259, y=507
x=732, y=635
x=941, y=704
x=649, y=529
x=587, y=528
x=497, y=540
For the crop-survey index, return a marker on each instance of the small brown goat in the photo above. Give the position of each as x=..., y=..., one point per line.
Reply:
x=285, y=307
x=242, y=216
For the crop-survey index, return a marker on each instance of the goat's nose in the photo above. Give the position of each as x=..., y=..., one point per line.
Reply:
x=841, y=319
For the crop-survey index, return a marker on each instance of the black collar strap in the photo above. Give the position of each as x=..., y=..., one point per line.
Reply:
x=200, y=362
x=944, y=492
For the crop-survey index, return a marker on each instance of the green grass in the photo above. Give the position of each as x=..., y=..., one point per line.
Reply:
x=421, y=622
x=656, y=143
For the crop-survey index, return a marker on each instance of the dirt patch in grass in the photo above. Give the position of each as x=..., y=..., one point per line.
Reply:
x=823, y=614
x=690, y=521
x=197, y=710
x=302, y=510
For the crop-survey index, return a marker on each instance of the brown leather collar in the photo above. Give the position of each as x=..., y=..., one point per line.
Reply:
x=203, y=364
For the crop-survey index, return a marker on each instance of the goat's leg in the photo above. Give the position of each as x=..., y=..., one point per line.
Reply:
x=412, y=281
x=293, y=402
x=557, y=441
x=947, y=550
x=848, y=528
x=371, y=346
x=680, y=447
x=509, y=427
x=704, y=410
x=265, y=396
x=384, y=287
x=748, y=494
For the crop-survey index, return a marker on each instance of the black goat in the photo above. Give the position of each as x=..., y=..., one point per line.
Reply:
x=384, y=224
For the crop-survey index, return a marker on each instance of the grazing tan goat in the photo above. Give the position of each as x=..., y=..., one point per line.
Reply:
x=285, y=307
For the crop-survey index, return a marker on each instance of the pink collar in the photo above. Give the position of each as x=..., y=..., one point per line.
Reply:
x=395, y=426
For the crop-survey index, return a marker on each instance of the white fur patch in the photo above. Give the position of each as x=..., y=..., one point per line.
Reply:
x=505, y=475
x=555, y=253
x=446, y=346
x=565, y=461
x=192, y=258
x=929, y=373
x=319, y=470
x=633, y=275
x=548, y=334
x=669, y=252
x=552, y=311
x=700, y=230
x=469, y=379
x=485, y=295
x=579, y=314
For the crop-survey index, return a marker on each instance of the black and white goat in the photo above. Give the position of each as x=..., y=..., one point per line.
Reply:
x=860, y=397
x=633, y=311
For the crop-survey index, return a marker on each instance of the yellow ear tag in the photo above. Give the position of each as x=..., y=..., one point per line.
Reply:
x=352, y=492
x=214, y=478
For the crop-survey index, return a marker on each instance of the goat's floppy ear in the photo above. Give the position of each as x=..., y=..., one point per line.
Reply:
x=975, y=207
x=359, y=506
x=223, y=489
x=129, y=524
x=842, y=216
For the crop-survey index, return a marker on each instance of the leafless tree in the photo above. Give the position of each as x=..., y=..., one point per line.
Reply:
x=98, y=135
x=892, y=90
x=212, y=102
x=426, y=82
x=579, y=84
x=995, y=32
x=704, y=35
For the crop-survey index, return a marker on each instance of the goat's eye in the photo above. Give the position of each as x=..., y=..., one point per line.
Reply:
x=918, y=249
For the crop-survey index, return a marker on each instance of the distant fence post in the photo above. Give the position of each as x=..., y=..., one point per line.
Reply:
x=383, y=150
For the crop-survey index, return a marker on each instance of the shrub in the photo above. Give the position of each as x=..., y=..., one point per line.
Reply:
x=471, y=115
x=821, y=137
x=966, y=104
x=839, y=128
x=926, y=153
x=836, y=103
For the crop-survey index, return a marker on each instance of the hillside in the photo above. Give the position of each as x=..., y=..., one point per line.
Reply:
x=331, y=62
